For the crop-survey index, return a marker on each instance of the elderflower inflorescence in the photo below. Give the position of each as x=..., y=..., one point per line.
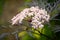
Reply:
x=40, y=16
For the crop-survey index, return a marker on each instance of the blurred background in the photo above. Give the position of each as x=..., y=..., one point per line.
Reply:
x=9, y=8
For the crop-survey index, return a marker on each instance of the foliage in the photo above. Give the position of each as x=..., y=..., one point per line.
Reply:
x=35, y=35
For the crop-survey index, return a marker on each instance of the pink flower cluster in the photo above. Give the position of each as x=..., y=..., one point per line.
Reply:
x=40, y=16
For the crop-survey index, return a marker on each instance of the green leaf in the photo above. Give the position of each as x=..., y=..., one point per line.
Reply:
x=47, y=31
x=27, y=37
x=21, y=34
x=42, y=38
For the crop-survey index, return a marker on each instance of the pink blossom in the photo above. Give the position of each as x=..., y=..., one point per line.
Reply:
x=40, y=16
